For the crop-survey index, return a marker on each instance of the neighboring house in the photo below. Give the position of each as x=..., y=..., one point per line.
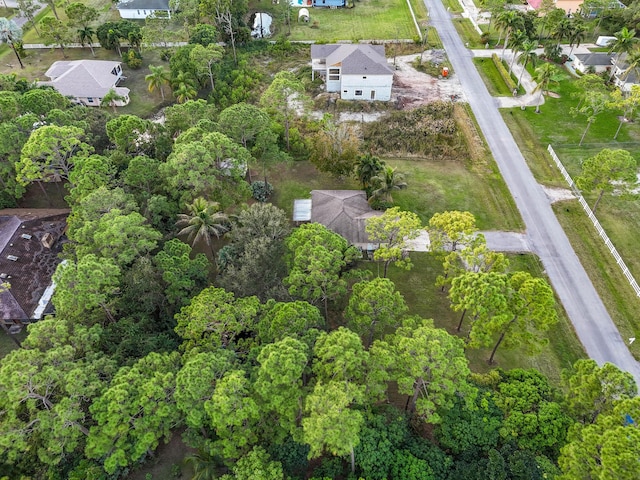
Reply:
x=30, y=241
x=621, y=77
x=87, y=81
x=141, y=9
x=573, y=6
x=358, y=72
x=329, y=3
x=344, y=212
x=585, y=62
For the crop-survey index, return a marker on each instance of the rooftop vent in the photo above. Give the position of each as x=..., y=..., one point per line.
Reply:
x=3, y=275
x=22, y=226
x=26, y=236
x=48, y=240
x=13, y=258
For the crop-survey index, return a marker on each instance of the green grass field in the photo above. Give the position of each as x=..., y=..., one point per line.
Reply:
x=369, y=19
x=492, y=79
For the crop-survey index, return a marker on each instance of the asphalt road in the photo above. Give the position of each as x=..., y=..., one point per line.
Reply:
x=592, y=322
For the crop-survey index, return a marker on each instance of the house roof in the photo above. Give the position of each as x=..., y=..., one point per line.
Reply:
x=354, y=59
x=25, y=263
x=594, y=58
x=344, y=212
x=631, y=77
x=143, y=5
x=84, y=78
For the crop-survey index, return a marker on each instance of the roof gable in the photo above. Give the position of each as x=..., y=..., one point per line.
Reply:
x=354, y=59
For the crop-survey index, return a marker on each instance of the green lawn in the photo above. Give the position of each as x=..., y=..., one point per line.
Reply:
x=492, y=78
x=424, y=299
x=369, y=19
x=467, y=32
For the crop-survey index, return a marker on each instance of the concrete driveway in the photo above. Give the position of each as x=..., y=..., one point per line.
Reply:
x=592, y=322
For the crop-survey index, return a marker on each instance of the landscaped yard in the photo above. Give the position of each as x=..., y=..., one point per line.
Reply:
x=492, y=79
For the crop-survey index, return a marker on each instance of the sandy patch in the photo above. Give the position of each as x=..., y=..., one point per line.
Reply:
x=558, y=194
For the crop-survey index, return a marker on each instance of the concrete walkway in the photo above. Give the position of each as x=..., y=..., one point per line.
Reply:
x=591, y=320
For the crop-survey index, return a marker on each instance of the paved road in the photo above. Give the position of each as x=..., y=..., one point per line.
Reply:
x=590, y=319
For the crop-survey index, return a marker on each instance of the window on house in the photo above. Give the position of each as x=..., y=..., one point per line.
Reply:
x=138, y=12
x=364, y=78
x=90, y=100
x=334, y=71
x=358, y=93
x=334, y=77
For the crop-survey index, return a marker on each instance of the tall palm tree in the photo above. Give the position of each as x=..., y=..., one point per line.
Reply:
x=528, y=55
x=110, y=99
x=157, y=79
x=508, y=22
x=367, y=167
x=85, y=35
x=632, y=62
x=561, y=30
x=577, y=33
x=517, y=39
x=385, y=183
x=625, y=41
x=543, y=76
x=203, y=222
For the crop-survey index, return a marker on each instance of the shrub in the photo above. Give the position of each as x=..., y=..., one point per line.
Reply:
x=503, y=72
x=165, y=54
x=261, y=191
x=133, y=60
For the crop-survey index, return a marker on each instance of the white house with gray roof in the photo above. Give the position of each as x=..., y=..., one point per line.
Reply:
x=357, y=72
x=141, y=9
x=87, y=81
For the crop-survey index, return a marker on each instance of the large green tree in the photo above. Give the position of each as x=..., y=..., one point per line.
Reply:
x=392, y=231
x=607, y=171
x=135, y=412
x=375, y=307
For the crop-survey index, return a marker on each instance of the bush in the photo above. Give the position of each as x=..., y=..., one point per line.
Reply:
x=133, y=59
x=503, y=72
x=165, y=54
x=261, y=191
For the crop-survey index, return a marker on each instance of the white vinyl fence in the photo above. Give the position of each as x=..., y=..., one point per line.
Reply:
x=596, y=223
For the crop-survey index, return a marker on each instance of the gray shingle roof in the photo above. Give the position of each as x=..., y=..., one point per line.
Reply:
x=143, y=5
x=84, y=78
x=344, y=212
x=594, y=58
x=354, y=59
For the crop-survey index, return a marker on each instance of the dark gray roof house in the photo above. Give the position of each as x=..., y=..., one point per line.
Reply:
x=357, y=71
x=344, y=212
x=30, y=241
x=598, y=61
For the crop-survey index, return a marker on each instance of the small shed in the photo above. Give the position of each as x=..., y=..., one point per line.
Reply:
x=303, y=15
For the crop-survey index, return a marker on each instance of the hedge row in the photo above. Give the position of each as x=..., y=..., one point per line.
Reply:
x=503, y=72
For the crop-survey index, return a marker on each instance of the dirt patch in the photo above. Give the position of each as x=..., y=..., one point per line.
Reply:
x=412, y=89
x=558, y=194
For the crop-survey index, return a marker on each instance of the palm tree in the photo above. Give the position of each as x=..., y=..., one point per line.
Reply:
x=85, y=35
x=204, y=466
x=517, y=39
x=543, y=76
x=632, y=62
x=577, y=34
x=156, y=79
x=528, y=55
x=367, y=167
x=625, y=40
x=385, y=183
x=110, y=99
x=203, y=222
x=508, y=22
x=561, y=30
x=183, y=87
x=11, y=33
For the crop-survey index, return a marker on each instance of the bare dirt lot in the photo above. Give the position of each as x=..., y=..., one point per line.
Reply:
x=412, y=88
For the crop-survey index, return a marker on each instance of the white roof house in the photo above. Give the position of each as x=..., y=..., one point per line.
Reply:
x=141, y=9
x=358, y=72
x=87, y=81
